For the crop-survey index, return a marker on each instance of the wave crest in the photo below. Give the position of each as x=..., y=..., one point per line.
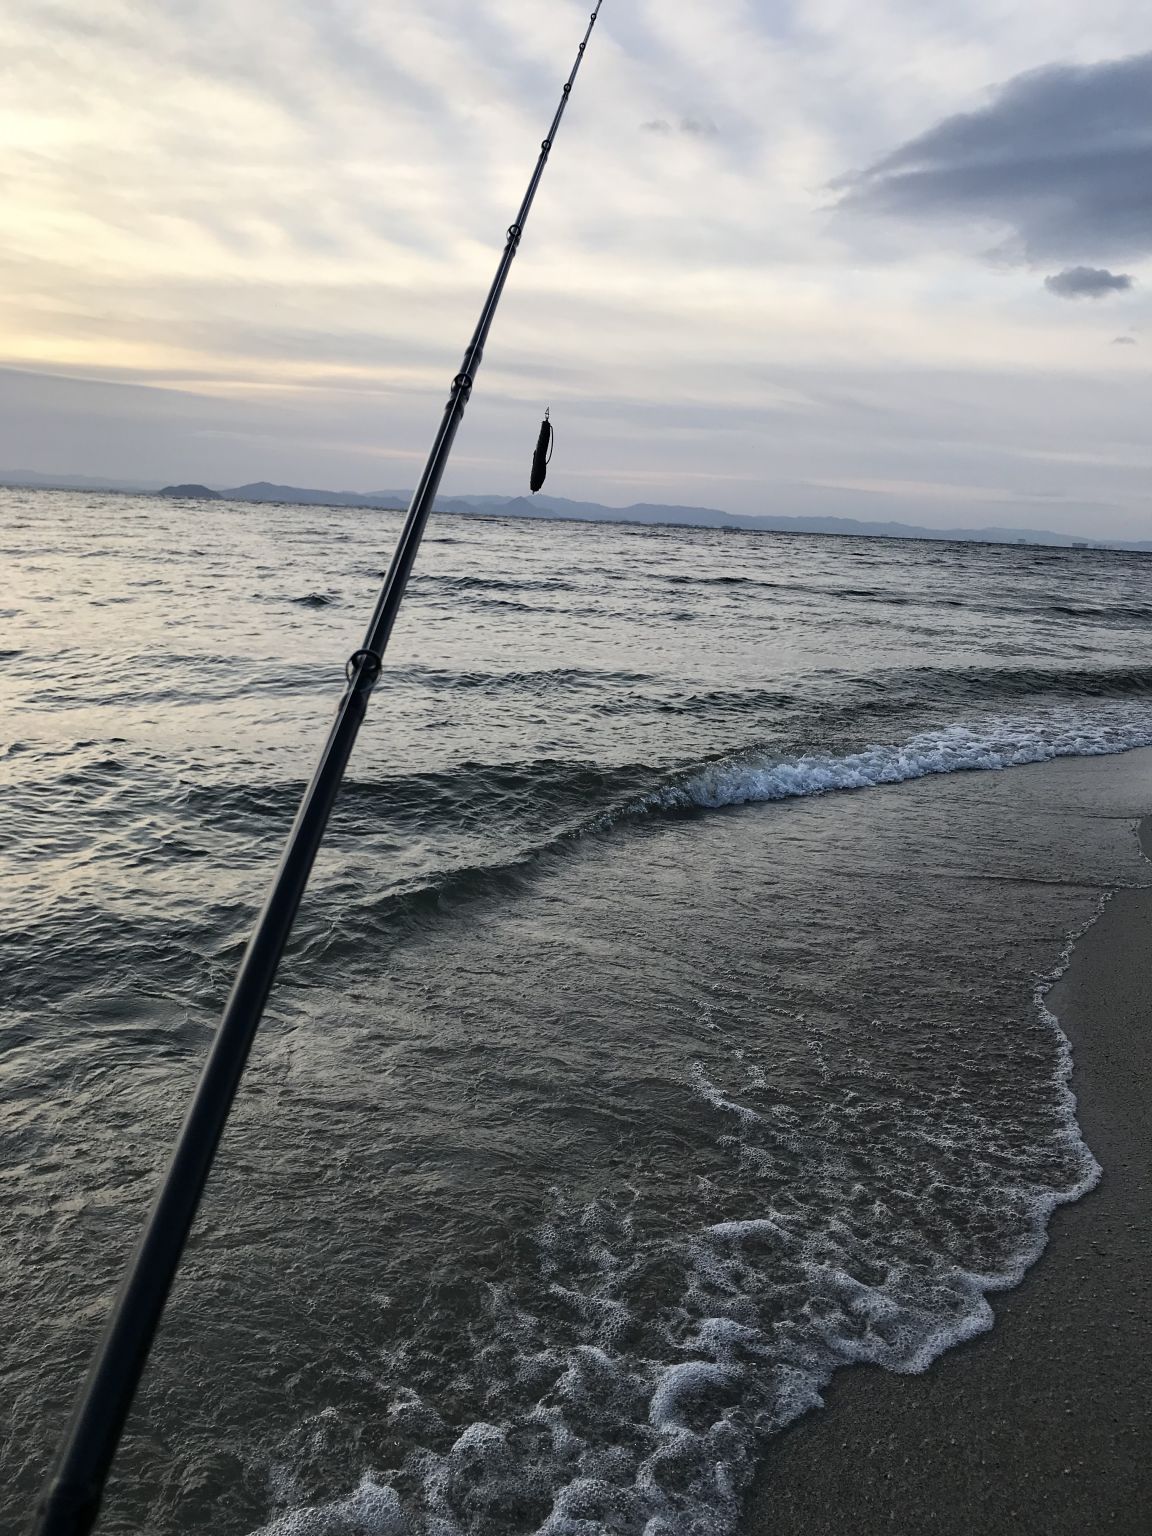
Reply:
x=994, y=744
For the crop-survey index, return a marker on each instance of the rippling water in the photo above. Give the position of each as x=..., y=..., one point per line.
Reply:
x=625, y=1077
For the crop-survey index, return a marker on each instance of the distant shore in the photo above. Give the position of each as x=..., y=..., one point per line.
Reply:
x=548, y=508
x=1041, y=1427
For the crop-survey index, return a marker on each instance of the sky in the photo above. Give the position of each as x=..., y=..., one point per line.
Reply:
x=885, y=259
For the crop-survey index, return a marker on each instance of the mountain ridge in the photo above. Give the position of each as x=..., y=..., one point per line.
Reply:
x=544, y=506
x=547, y=507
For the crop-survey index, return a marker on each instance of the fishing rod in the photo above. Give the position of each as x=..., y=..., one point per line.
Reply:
x=72, y=1497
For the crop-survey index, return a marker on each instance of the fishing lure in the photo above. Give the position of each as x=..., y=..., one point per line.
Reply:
x=543, y=455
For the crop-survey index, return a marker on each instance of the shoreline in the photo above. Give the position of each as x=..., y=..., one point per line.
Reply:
x=1042, y=1424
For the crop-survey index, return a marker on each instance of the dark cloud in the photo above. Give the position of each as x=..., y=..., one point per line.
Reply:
x=1062, y=156
x=1124, y=341
x=1087, y=283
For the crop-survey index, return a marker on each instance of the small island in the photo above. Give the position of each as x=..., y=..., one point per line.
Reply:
x=190, y=493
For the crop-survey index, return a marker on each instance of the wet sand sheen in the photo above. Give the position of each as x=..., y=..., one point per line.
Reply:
x=1043, y=1425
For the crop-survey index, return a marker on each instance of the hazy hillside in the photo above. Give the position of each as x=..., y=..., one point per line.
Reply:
x=546, y=506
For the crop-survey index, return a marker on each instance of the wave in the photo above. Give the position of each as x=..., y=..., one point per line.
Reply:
x=545, y=792
x=1115, y=613
x=847, y=697
x=993, y=744
x=544, y=809
x=427, y=581
x=1082, y=682
x=817, y=700
x=485, y=829
x=572, y=797
x=919, y=690
x=900, y=691
x=601, y=1419
x=543, y=680
x=1105, y=613
x=177, y=677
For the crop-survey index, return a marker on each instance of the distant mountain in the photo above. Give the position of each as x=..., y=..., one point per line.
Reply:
x=264, y=490
x=190, y=493
x=33, y=481
x=648, y=513
x=550, y=507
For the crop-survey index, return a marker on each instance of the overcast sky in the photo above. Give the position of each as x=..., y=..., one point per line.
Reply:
x=870, y=258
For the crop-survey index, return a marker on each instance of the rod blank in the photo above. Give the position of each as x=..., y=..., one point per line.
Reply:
x=71, y=1501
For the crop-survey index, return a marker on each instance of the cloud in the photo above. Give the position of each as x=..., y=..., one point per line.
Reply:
x=283, y=219
x=938, y=447
x=696, y=126
x=1087, y=283
x=1124, y=341
x=1061, y=156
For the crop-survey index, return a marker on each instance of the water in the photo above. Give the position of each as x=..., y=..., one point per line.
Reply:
x=627, y=1075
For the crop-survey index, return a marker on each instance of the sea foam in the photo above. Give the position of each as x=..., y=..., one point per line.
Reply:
x=625, y=1442
x=994, y=743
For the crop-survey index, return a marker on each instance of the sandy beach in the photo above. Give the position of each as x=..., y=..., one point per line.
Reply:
x=1043, y=1424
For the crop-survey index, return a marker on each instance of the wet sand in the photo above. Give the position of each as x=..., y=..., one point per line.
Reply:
x=1043, y=1425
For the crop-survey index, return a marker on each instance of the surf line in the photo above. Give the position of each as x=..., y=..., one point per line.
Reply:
x=70, y=1503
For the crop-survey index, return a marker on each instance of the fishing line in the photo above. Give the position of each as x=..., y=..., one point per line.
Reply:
x=75, y=1489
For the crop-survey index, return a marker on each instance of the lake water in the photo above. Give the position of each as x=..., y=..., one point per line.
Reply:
x=664, y=1027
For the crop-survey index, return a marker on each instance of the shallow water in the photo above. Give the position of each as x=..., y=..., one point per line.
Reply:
x=626, y=1077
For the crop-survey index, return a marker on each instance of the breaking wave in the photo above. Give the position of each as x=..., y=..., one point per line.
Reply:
x=1001, y=742
x=614, y=1425
x=600, y=1122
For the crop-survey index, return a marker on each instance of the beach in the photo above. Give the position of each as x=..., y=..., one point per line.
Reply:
x=1041, y=1425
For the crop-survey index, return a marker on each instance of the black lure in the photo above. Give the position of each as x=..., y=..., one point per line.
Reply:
x=543, y=455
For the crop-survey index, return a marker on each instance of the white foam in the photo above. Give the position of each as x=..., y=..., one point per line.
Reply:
x=736, y=1231
x=665, y=1446
x=1090, y=1170
x=681, y=1385
x=994, y=743
x=373, y=1510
